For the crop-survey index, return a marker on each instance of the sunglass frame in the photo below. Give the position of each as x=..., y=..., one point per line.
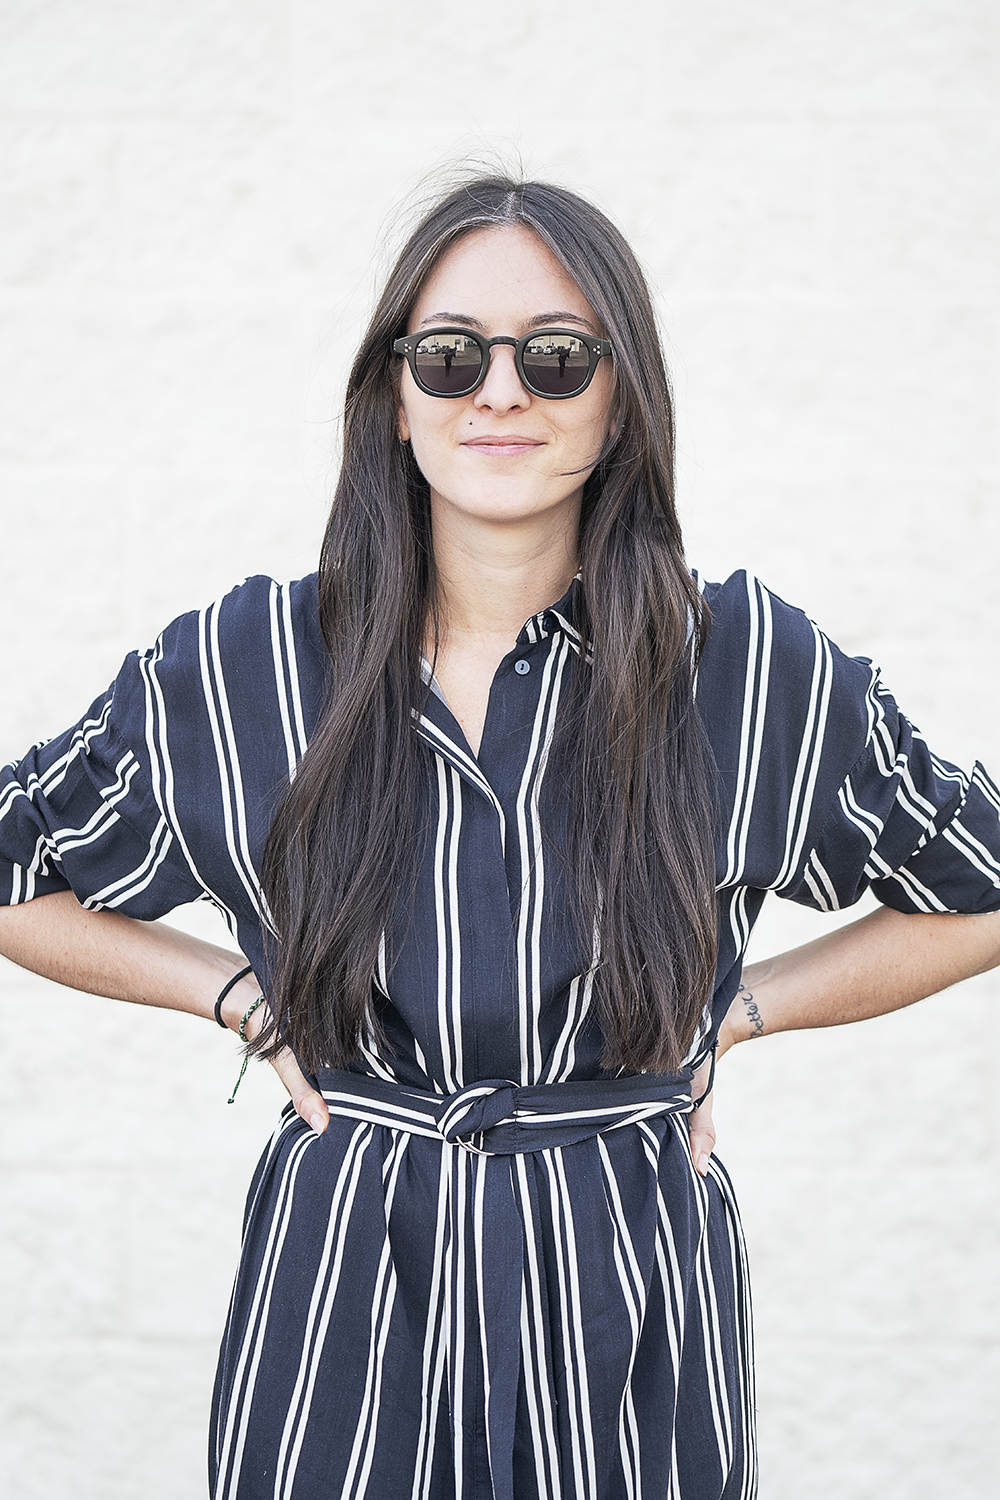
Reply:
x=597, y=349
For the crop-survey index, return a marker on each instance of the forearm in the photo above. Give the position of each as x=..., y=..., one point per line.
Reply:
x=105, y=953
x=881, y=963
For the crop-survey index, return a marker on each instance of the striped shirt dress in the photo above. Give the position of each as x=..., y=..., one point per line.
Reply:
x=497, y=1276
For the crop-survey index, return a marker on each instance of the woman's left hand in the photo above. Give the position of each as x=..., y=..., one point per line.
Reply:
x=700, y=1122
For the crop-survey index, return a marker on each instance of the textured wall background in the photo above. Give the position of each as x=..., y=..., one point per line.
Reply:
x=191, y=194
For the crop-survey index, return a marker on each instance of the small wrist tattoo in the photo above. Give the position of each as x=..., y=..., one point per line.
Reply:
x=753, y=1014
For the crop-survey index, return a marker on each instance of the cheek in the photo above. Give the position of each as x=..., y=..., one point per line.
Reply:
x=431, y=437
x=587, y=421
x=589, y=431
x=424, y=421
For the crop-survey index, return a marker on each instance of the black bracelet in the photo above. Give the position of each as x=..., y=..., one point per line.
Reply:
x=225, y=991
x=697, y=1103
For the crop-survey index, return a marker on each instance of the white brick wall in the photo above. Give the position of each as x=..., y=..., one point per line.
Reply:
x=190, y=193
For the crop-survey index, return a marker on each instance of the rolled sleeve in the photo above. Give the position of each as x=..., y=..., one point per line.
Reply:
x=918, y=831
x=78, y=813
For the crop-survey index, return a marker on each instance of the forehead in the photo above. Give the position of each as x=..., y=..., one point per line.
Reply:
x=500, y=273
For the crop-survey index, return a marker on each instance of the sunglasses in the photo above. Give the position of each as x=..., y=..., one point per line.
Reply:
x=551, y=362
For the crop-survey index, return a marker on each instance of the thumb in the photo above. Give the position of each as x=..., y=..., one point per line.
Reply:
x=701, y=1125
x=702, y=1131
x=308, y=1102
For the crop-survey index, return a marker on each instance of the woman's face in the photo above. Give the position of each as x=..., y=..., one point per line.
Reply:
x=503, y=455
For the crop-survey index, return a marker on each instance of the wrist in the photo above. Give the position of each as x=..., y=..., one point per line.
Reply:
x=744, y=1020
x=239, y=1001
x=237, y=992
x=728, y=1037
x=751, y=1019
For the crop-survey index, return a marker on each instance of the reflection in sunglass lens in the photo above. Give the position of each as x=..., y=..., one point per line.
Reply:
x=449, y=363
x=556, y=363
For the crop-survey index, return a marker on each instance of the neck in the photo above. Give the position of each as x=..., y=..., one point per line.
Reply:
x=492, y=577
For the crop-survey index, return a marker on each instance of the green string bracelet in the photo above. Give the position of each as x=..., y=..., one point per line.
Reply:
x=243, y=1037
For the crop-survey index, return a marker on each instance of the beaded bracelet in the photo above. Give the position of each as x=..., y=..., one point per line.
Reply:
x=243, y=1037
x=225, y=991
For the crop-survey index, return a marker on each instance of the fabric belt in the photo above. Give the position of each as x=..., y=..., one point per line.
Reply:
x=496, y=1117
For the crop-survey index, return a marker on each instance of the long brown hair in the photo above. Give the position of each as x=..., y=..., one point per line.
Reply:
x=344, y=847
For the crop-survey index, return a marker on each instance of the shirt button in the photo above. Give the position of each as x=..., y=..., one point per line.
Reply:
x=522, y=667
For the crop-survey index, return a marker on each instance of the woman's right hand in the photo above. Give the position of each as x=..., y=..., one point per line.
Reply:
x=146, y=963
x=309, y=1103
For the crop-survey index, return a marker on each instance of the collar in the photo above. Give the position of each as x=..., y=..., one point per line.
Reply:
x=554, y=619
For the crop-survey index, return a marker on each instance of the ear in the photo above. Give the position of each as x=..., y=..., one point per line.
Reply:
x=402, y=425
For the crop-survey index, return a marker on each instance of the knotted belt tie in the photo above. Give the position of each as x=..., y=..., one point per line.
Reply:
x=496, y=1118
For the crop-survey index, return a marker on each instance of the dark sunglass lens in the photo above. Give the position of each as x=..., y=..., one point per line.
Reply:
x=449, y=363
x=556, y=364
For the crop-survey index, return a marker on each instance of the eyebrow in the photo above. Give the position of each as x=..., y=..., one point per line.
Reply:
x=543, y=320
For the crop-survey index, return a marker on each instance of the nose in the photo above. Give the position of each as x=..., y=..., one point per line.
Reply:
x=502, y=390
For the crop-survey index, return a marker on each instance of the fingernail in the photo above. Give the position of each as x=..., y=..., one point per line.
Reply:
x=318, y=1123
x=703, y=1164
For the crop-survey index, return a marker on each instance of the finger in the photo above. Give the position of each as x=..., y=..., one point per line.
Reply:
x=702, y=1146
x=702, y=1138
x=701, y=1127
x=309, y=1104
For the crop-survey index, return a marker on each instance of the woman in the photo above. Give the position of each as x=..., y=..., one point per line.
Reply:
x=491, y=805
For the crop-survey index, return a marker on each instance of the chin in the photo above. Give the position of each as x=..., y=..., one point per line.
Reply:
x=508, y=494
x=497, y=503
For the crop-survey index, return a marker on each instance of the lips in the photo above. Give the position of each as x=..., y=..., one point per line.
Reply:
x=504, y=444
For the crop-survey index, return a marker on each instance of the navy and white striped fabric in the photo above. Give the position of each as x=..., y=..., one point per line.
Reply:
x=497, y=1274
